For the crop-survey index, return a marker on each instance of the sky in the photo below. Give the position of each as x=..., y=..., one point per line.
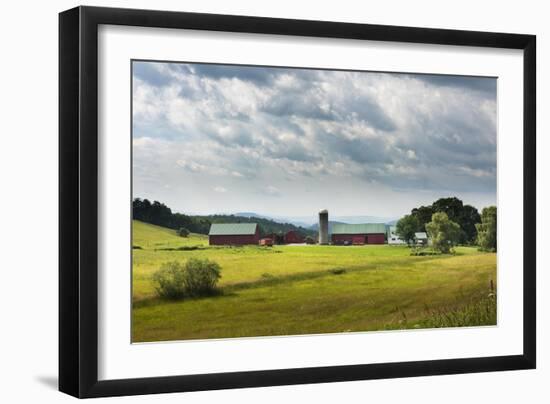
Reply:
x=287, y=142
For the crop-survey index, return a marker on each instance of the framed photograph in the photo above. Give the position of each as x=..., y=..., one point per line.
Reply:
x=250, y=201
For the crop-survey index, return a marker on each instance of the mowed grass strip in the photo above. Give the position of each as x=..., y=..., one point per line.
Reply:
x=289, y=290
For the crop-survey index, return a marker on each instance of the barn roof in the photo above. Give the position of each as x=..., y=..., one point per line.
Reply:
x=232, y=229
x=364, y=228
x=420, y=235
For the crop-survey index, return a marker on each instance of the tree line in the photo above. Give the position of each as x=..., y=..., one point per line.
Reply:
x=161, y=215
x=449, y=222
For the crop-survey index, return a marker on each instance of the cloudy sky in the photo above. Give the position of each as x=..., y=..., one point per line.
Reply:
x=288, y=142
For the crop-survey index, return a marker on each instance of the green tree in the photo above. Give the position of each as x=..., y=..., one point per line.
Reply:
x=424, y=215
x=406, y=227
x=468, y=219
x=487, y=229
x=465, y=215
x=444, y=232
x=183, y=232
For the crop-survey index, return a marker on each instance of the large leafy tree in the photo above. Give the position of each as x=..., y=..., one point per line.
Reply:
x=443, y=232
x=423, y=215
x=468, y=219
x=487, y=229
x=406, y=227
x=465, y=215
x=451, y=206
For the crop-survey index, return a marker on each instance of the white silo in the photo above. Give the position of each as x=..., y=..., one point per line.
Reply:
x=323, y=226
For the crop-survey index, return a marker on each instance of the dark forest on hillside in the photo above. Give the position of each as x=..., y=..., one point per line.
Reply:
x=161, y=215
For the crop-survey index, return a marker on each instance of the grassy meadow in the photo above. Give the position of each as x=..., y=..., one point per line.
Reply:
x=309, y=289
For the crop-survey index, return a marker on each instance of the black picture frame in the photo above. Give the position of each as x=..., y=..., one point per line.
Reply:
x=78, y=201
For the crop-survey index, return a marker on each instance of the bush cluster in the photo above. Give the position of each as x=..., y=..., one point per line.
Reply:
x=183, y=232
x=309, y=240
x=423, y=251
x=197, y=277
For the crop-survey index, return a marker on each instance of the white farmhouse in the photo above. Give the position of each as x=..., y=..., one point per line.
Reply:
x=393, y=238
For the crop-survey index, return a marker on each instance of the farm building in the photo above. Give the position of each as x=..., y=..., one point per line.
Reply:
x=266, y=241
x=293, y=237
x=278, y=238
x=421, y=238
x=393, y=238
x=233, y=234
x=357, y=234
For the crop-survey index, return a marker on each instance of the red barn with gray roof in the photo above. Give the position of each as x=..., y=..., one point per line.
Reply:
x=293, y=237
x=366, y=233
x=233, y=234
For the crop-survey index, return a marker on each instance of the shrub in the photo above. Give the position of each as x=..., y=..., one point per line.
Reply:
x=189, y=248
x=201, y=276
x=182, y=248
x=310, y=240
x=423, y=251
x=169, y=280
x=197, y=277
x=268, y=279
x=183, y=232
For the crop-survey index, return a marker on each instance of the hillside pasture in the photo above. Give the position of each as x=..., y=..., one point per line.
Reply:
x=301, y=289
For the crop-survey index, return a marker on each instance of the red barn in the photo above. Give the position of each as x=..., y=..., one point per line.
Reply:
x=358, y=240
x=276, y=237
x=357, y=234
x=293, y=237
x=233, y=234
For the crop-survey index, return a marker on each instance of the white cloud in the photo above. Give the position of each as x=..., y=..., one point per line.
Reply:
x=272, y=190
x=198, y=125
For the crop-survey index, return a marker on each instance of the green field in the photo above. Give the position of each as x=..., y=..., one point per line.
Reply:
x=286, y=290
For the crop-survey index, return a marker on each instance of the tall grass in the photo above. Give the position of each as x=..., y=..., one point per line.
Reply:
x=482, y=312
x=478, y=311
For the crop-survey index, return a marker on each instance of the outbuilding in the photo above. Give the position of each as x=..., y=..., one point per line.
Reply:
x=293, y=237
x=421, y=238
x=233, y=234
x=357, y=234
x=266, y=241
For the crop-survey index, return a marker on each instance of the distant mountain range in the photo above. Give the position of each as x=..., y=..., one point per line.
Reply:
x=315, y=227
x=311, y=222
x=297, y=221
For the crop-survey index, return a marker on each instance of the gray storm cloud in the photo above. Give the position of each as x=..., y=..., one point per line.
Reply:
x=256, y=132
